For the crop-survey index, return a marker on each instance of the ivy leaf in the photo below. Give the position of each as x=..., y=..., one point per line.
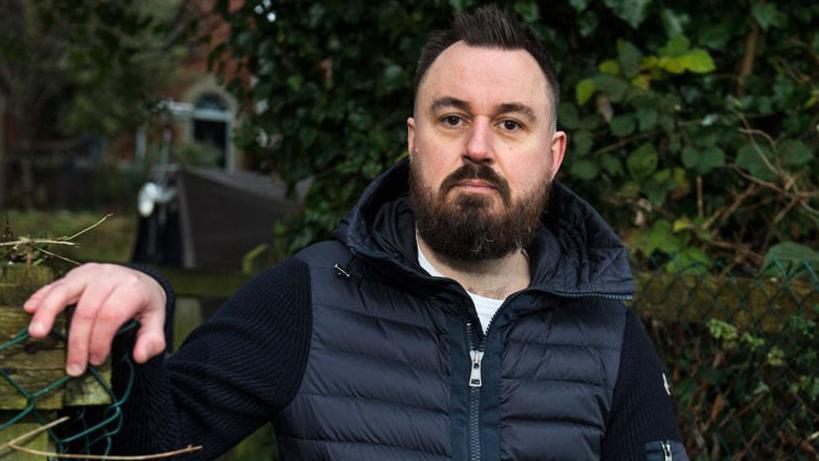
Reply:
x=795, y=153
x=629, y=57
x=682, y=186
x=584, y=90
x=699, y=61
x=765, y=14
x=714, y=36
x=690, y=157
x=583, y=142
x=675, y=46
x=294, y=82
x=673, y=22
x=579, y=5
x=703, y=161
x=528, y=11
x=690, y=260
x=567, y=116
x=647, y=118
x=610, y=67
x=622, y=125
x=459, y=5
x=612, y=165
x=587, y=23
x=663, y=238
x=749, y=158
x=789, y=258
x=631, y=11
x=641, y=241
x=590, y=122
x=584, y=169
x=642, y=162
x=614, y=87
x=656, y=188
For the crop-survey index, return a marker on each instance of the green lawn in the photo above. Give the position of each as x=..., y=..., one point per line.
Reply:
x=112, y=240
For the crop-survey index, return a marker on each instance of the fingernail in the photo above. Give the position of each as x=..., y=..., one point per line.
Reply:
x=74, y=369
x=36, y=328
x=95, y=360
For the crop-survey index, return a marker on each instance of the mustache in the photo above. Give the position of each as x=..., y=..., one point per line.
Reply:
x=482, y=171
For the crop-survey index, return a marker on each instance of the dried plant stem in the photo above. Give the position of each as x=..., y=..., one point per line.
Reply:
x=42, y=250
x=88, y=228
x=13, y=444
x=32, y=433
x=167, y=454
x=31, y=243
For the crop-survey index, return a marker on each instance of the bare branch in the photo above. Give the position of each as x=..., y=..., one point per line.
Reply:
x=49, y=454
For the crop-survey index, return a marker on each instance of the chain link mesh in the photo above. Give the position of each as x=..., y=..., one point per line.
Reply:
x=91, y=429
x=742, y=351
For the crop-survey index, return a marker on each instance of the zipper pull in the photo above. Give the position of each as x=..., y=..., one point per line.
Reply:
x=475, y=373
x=666, y=451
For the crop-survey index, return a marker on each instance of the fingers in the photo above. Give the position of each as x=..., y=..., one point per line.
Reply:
x=120, y=307
x=35, y=299
x=150, y=337
x=85, y=317
x=107, y=296
x=53, y=300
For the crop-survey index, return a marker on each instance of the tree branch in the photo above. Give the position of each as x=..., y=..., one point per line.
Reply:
x=747, y=66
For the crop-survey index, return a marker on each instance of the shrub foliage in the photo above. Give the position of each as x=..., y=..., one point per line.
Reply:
x=693, y=128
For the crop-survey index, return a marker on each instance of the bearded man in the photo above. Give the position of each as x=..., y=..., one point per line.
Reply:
x=469, y=308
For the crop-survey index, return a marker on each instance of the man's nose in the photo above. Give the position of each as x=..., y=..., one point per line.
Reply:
x=479, y=143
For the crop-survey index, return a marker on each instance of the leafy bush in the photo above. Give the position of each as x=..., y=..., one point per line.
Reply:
x=692, y=127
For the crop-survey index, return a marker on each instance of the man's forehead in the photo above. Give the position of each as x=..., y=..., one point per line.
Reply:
x=485, y=77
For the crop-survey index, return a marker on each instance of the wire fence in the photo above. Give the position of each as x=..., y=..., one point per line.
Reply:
x=92, y=428
x=742, y=351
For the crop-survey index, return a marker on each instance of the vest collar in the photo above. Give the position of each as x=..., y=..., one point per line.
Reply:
x=574, y=253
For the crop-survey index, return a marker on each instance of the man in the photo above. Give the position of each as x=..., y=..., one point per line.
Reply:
x=468, y=308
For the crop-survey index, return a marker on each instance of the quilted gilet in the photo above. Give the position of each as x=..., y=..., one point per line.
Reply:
x=399, y=368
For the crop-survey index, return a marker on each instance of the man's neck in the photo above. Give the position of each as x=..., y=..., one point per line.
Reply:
x=497, y=278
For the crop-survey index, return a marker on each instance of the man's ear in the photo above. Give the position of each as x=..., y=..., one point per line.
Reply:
x=411, y=136
x=557, y=151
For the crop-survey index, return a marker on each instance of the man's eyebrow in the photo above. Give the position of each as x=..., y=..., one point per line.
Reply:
x=508, y=107
x=449, y=101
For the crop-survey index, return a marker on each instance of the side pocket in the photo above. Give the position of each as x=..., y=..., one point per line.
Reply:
x=665, y=450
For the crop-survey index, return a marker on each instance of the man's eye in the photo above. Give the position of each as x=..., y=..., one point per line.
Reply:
x=511, y=125
x=452, y=120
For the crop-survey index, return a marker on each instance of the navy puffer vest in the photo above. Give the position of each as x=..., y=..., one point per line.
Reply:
x=399, y=368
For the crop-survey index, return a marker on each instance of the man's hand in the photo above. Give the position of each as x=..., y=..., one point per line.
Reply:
x=107, y=296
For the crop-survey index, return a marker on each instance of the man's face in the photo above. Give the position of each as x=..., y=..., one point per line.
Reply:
x=482, y=149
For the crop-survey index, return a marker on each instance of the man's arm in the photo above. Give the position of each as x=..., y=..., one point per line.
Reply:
x=642, y=424
x=229, y=377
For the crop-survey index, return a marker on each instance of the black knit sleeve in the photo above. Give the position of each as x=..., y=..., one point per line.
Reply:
x=231, y=375
x=642, y=412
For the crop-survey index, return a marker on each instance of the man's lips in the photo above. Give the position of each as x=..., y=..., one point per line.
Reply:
x=475, y=184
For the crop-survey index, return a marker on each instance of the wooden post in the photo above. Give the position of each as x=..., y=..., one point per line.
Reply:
x=34, y=365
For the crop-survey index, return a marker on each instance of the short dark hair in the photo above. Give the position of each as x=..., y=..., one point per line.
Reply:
x=490, y=27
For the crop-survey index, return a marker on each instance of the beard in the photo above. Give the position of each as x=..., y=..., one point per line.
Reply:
x=466, y=230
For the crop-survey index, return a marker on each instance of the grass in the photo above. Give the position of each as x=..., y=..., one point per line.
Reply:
x=111, y=241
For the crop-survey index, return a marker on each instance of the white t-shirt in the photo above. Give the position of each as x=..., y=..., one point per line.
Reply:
x=486, y=307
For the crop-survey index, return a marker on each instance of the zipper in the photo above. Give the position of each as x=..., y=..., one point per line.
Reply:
x=475, y=383
x=477, y=343
x=666, y=446
x=475, y=371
